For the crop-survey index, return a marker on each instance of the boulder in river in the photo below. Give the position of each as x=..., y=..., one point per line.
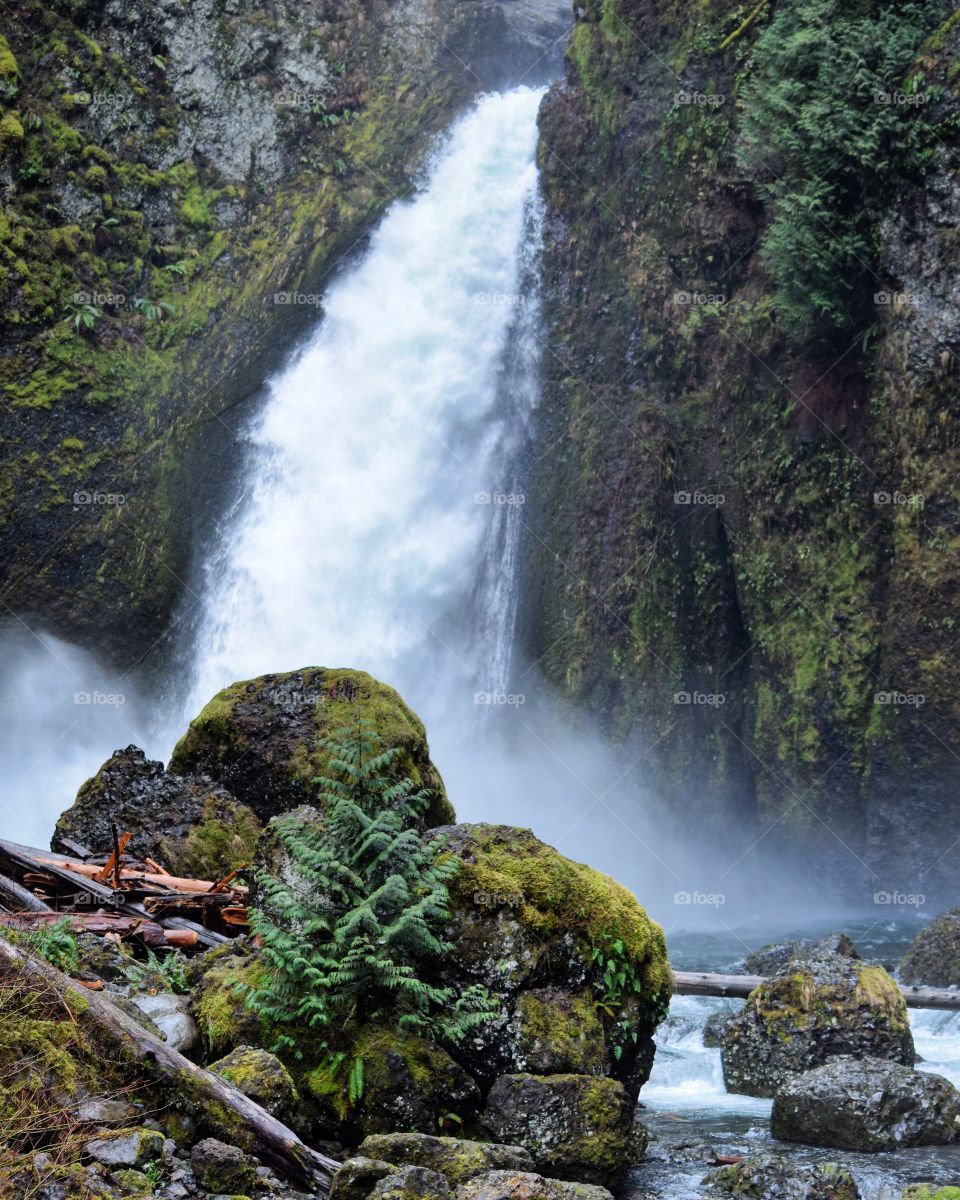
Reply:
x=809, y=1013
x=263, y=738
x=867, y=1105
x=771, y=1177
x=934, y=955
x=771, y=960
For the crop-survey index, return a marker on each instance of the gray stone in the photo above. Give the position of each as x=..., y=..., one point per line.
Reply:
x=131, y=1149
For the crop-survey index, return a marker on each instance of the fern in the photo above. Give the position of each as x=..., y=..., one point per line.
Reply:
x=350, y=932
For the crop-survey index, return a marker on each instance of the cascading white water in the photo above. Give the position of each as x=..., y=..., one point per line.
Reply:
x=386, y=452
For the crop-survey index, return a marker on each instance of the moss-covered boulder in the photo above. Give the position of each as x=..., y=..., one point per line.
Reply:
x=930, y=1191
x=546, y=935
x=409, y=1083
x=524, y=1185
x=223, y=1169
x=771, y=959
x=934, y=955
x=263, y=738
x=261, y=1076
x=576, y=1127
x=218, y=984
x=770, y=1177
x=809, y=1013
x=189, y=823
x=457, y=1159
x=866, y=1105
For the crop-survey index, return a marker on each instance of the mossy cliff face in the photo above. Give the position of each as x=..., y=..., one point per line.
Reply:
x=745, y=515
x=178, y=181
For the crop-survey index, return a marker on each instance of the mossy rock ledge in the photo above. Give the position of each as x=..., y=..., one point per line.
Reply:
x=934, y=954
x=809, y=1013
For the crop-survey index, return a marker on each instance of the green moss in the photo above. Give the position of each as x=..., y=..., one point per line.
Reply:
x=221, y=841
x=222, y=1015
x=562, y=1036
x=11, y=131
x=929, y=1191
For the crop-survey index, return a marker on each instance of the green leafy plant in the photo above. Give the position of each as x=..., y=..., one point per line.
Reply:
x=619, y=982
x=57, y=945
x=166, y=974
x=177, y=268
x=830, y=130
x=352, y=930
x=83, y=317
x=153, y=310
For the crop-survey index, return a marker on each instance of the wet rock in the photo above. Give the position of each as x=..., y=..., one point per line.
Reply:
x=770, y=1177
x=222, y=1168
x=714, y=1027
x=190, y=824
x=520, y=1185
x=171, y=1015
x=538, y=930
x=358, y=1176
x=811, y=1012
x=934, y=955
x=866, y=1105
x=457, y=1159
x=411, y=1183
x=263, y=738
x=576, y=1127
x=770, y=960
x=261, y=1076
x=106, y=1112
x=133, y=1148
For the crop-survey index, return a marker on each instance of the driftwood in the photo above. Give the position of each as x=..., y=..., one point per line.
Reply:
x=148, y=932
x=171, y=883
x=702, y=983
x=205, y=1093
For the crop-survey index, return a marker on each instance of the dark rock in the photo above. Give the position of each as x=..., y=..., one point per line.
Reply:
x=457, y=1159
x=769, y=1177
x=576, y=1127
x=811, y=1012
x=866, y=1105
x=263, y=738
x=357, y=1177
x=190, y=824
x=714, y=1027
x=770, y=960
x=934, y=954
x=222, y=1168
x=411, y=1183
x=261, y=1076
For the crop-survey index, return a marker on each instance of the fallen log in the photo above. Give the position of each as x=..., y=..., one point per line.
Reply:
x=151, y=933
x=171, y=883
x=704, y=983
x=206, y=1094
x=16, y=898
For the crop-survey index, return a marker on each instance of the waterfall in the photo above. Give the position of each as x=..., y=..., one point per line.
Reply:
x=386, y=481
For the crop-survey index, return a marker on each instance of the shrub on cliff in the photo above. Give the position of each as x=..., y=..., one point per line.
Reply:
x=833, y=120
x=359, y=912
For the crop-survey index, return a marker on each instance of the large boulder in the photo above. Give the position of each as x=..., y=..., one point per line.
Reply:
x=457, y=1159
x=811, y=1012
x=189, y=823
x=523, y=1185
x=576, y=1127
x=263, y=739
x=578, y=969
x=261, y=1076
x=866, y=1104
x=770, y=1177
x=934, y=955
